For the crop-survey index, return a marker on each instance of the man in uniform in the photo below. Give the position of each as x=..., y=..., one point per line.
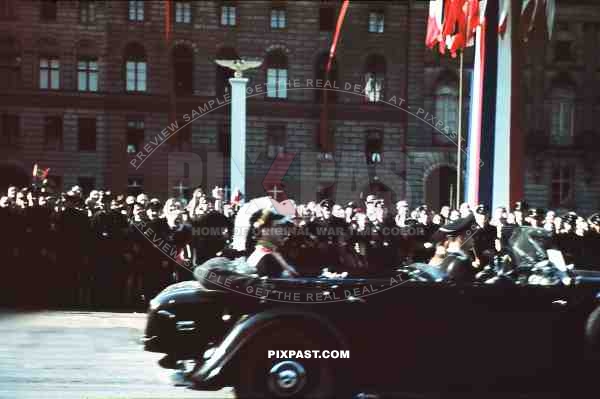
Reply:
x=485, y=240
x=453, y=260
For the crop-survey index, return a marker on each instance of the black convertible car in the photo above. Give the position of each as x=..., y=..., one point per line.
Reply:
x=525, y=324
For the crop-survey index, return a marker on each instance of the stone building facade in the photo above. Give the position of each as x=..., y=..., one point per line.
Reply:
x=87, y=88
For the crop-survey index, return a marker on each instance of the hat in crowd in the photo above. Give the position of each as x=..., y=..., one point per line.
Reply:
x=520, y=206
x=326, y=203
x=370, y=198
x=570, y=217
x=352, y=205
x=481, y=209
x=458, y=226
x=594, y=219
x=270, y=218
x=155, y=204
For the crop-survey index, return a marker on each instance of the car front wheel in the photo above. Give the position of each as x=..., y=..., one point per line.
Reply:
x=264, y=377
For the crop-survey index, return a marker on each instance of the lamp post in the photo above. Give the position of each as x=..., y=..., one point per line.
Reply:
x=238, y=120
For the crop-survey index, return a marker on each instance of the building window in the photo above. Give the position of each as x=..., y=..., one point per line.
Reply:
x=278, y=18
x=228, y=17
x=183, y=67
x=182, y=139
x=86, y=183
x=320, y=74
x=276, y=140
x=7, y=9
x=48, y=10
x=135, y=136
x=374, y=147
x=53, y=133
x=136, y=10
x=562, y=117
x=183, y=12
x=374, y=78
x=87, y=134
x=9, y=131
x=376, y=21
x=277, y=75
x=562, y=185
x=446, y=112
x=135, y=186
x=10, y=63
x=135, y=68
x=87, y=12
x=326, y=19
x=49, y=73
x=87, y=75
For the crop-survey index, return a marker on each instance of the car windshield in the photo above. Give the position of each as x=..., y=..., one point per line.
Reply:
x=529, y=244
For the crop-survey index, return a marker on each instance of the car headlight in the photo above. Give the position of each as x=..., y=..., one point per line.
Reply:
x=154, y=304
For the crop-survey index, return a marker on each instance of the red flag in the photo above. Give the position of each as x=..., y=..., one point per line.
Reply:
x=434, y=23
x=336, y=35
x=324, y=125
x=167, y=19
x=40, y=173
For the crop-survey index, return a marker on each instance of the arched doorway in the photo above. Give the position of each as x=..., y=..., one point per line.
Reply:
x=12, y=175
x=440, y=187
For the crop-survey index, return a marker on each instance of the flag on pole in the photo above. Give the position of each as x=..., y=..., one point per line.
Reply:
x=167, y=20
x=455, y=28
x=324, y=125
x=476, y=115
x=533, y=13
x=434, y=23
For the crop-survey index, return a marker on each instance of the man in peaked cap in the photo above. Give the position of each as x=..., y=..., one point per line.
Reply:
x=452, y=256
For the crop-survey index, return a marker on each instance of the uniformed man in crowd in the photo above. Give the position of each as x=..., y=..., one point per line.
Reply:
x=453, y=253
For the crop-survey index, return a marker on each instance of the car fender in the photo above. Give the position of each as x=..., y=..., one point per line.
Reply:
x=212, y=371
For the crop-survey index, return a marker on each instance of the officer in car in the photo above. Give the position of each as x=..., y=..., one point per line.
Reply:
x=272, y=231
x=452, y=253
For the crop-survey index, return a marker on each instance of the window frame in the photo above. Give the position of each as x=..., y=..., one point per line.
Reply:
x=225, y=15
x=370, y=151
x=560, y=181
x=87, y=72
x=183, y=3
x=58, y=122
x=135, y=129
x=83, y=131
x=278, y=18
x=136, y=11
x=47, y=72
x=276, y=140
x=562, y=101
x=88, y=9
x=377, y=23
x=12, y=139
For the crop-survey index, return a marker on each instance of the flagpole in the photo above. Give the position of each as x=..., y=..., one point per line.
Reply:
x=459, y=147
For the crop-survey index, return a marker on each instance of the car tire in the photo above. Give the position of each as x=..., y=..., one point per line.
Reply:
x=263, y=377
x=592, y=335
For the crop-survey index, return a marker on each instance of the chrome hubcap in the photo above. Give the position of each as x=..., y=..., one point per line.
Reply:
x=286, y=378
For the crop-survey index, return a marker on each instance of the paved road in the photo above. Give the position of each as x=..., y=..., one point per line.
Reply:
x=49, y=354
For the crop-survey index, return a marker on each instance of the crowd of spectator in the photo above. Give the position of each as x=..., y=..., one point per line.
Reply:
x=87, y=249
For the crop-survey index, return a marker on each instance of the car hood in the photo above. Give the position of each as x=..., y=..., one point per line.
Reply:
x=184, y=292
x=587, y=276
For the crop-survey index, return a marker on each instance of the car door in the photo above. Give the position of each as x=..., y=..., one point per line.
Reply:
x=512, y=331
